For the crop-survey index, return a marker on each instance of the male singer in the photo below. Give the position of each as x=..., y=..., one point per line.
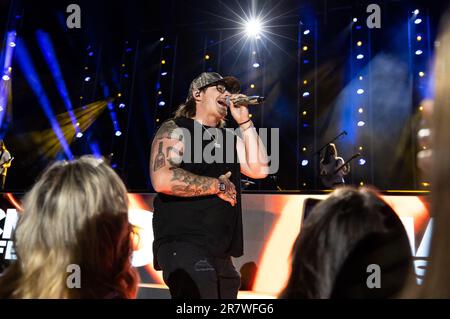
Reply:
x=197, y=220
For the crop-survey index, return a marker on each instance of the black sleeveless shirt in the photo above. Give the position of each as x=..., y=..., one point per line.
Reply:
x=206, y=221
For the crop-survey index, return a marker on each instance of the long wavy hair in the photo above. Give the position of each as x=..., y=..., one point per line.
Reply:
x=436, y=283
x=189, y=109
x=76, y=213
x=344, y=234
x=330, y=154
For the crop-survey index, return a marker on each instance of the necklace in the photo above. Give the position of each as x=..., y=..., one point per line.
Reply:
x=216, y=145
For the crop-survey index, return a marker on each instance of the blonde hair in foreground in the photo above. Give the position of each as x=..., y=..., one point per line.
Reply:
x=76, y=213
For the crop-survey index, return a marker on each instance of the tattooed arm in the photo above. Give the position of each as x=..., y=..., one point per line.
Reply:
x=166, y=175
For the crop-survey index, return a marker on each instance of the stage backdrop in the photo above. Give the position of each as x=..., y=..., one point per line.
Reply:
x=271, y=224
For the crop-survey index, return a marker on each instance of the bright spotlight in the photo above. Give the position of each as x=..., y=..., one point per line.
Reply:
x=355, y=19
x=253, y=28
x=361, y=123
x=360, y=91
x=12, y=44
x=161, y=39
x=360, y=56
x=162, y=103
x=419, y=52
x=163, y=73
x=256, y=65
x=118, y=133
x=416, y=12
x=79, y=135
x=362, y=161
x=360, y=110
x=305, y=94
x=121, y=105
x=304, y=162
x=417, y=21
x=87, y=79
x=306, y=32
x=5, y=77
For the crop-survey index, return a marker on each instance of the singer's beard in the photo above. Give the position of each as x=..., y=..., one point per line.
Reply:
x=222, y=110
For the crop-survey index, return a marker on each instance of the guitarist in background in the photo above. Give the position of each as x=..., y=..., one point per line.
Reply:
x=5, y=162
x=329, y=163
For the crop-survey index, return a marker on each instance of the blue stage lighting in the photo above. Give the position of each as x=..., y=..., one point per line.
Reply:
x=362, y=161
x=162, y=103
x=361, y=123
x=121, y=105
x=118, y=133
x=256, y=65
x=416, y=12
x=417, y=21
x=5, y=77
x=31, y=75
x=360, y=56
x=305, y=162
x=306, y=32
x=79, y=135
x=360, y=91
x=12, y=44
x=419, y=52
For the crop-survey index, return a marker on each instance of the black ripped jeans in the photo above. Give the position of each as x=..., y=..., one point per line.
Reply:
x=191, y=273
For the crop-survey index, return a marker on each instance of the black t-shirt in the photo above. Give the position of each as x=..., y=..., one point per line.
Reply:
x=206, y=221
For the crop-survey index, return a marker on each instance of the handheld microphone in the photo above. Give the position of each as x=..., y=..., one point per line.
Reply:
x=246, y=100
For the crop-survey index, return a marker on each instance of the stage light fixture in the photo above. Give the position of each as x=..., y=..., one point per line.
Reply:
x=306, y=32
x=421, y=74
x=360, y=91
x=163, y=73
x=252, y=86
x=121, y=105
x=417, y=21
x=362, y=161
x=419, y=52
x=305, y=82
x=79, y=135
x=360, y=78
x=256, y=65
x=304, y=163
x=207, y=57
x=355, y=19
x=5, y=77
x=87, y=79
x=419, y=37
x=361, y=123
x=162, y=103
x=253, y=28
x=360, y=110
x=118, y=133
x=305, y=48
x=360, y=56
x=162, y=62
x=416, y=12
x=305, y=94
x=12, y=44
x=161, y=39
x=359, y=43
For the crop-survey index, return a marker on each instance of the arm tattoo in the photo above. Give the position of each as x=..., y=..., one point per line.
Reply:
x=174, y=156
x=160, y=159
x=167, y=130
x=192, y=185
